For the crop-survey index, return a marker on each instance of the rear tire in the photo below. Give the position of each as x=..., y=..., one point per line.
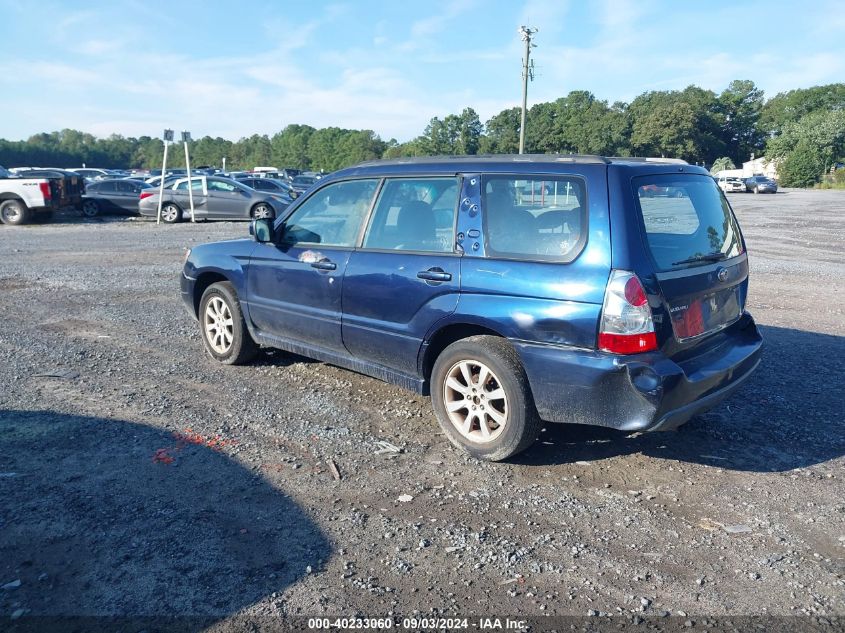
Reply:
x=171, y=213
x=222, y=326
x=482, y=398
x=14, y=213
x=90, y=208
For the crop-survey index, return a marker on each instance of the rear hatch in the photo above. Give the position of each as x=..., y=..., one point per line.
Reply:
x=697, y=253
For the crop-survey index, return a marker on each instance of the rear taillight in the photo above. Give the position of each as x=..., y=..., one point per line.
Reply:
x=145, y=194
x=45, y=190
x=626, y=324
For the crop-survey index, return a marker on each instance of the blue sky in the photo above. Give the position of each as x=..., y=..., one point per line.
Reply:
x=233, y=68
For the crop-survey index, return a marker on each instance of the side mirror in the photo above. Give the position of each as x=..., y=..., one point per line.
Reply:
x=261, y=230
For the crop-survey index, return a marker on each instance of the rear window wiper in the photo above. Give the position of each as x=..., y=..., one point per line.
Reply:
x=709, y=257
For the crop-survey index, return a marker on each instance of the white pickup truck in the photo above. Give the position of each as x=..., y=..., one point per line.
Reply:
x=23, y=200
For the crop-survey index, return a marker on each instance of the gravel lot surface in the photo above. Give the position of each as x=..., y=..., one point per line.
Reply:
x=139, y=477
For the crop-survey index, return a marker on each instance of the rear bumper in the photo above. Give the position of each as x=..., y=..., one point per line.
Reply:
x=643, y=392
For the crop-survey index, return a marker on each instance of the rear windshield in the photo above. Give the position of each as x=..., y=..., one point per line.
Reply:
x=687, y=220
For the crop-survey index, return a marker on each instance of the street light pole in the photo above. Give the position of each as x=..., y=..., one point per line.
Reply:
x=527, y=73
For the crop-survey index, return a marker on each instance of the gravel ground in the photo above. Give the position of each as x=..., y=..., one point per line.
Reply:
x=139, y=477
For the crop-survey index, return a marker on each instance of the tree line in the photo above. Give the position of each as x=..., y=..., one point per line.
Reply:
x=803, y=129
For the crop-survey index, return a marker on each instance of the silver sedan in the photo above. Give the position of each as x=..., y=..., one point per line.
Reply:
x=215, y=198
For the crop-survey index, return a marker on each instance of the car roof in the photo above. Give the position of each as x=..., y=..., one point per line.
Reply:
x=511, y=163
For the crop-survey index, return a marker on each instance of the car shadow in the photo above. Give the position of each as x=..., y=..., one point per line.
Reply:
x=108, y=517
x=271, y=357
x=789, y=415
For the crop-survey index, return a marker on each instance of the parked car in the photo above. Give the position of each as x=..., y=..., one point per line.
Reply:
x=113, y=196
x=598, y=304
x=731, y=184
x=70, y=185
x=91, y=174
x=288, y=173
x=301, y=184
x=269, y=185
x=214, y=199
x=761, y=184
x=155, y=181
x=23, y=200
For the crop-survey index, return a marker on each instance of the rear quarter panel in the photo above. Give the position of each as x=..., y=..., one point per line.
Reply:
x=538, y=301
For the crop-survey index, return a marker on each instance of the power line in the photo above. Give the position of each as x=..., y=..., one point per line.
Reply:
x=527, y=73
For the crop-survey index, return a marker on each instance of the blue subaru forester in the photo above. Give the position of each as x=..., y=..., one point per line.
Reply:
x=512, y=289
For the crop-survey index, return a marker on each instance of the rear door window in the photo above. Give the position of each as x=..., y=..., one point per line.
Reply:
x=687, y=220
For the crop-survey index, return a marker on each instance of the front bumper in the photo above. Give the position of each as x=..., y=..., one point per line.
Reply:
x=642, y=392
x=187, y=288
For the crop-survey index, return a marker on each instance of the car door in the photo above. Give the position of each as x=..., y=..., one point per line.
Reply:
x=406, y=276
x=294, y=285
x=126, y=198
x=107, y=196
x=227, y=200
x=179, y=195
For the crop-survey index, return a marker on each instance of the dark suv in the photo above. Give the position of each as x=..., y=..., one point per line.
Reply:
x=512, y=289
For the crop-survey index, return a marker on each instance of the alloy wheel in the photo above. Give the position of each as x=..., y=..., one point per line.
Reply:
x=89, y=208
x=262, y=211
x=219, y=325
x=169, y=213
x=475, y=401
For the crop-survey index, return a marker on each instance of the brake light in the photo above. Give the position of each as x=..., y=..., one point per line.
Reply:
x=626, y=323
x=45, y=190
x=145, y=194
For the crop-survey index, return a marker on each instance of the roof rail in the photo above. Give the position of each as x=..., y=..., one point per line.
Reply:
x=648, y=159
x=518, y=158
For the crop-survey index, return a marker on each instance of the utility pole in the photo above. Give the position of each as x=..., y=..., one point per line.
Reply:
x=527, y=73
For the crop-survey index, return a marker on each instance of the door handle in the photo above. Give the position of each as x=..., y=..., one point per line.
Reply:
x=324, y=264
x=434, y=274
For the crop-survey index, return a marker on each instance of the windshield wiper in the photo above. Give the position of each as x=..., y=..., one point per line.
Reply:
x=709, y=257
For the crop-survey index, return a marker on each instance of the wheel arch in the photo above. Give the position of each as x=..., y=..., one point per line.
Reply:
x=265, y=202
x=8, y=195
x=202, y=283
x=447, y=334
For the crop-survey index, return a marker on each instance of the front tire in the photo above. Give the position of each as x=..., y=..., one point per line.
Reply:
x=482, y=398
x=262, y=211
x=14, y=213
x=756, y=189
x=90, y=209
x=222, y=326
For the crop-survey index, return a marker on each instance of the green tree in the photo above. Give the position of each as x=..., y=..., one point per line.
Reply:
x=801, y=167
x=502, y=133
x=677, y=124
x=791, y=106
x=741, y=105
x=290, y=147
x=820, y=133
x=720, y=164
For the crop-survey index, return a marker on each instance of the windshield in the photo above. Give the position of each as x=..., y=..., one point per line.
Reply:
x=687, y=220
